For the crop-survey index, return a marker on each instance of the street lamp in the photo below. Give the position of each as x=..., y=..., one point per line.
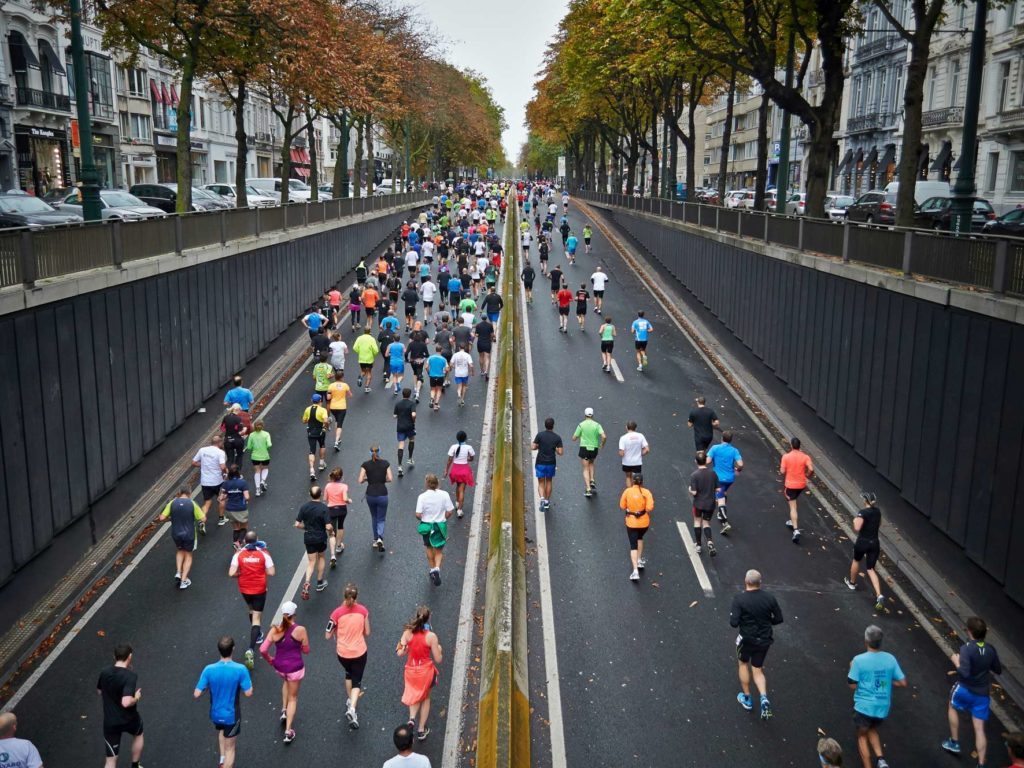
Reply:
x=91, y=209
x=343, y=159
x=962, y=206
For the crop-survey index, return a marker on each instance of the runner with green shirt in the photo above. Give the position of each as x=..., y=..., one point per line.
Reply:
x=591, y=437
x=588, y=233
x=323, y=375
x=259, y=444
x=185, y=517
x=366, y=349
x=607, y=334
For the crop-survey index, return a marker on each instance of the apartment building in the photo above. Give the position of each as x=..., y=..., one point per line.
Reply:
x=1000, y=171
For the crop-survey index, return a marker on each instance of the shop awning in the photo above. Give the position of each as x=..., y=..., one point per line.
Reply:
x=174, y=97
x=943, y=157
x=922, y=158
x=163, y=92
x=845, y=162
x=300, y=156
x=303, y=172
x=22, y=55
x=888, y=156
x=46, y=50
x=858, y=158
x=872, y=156
x=156, y=92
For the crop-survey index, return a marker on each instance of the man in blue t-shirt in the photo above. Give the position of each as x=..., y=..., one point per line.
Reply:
x=238, y=394
x=454, y=291
x=872, y=677
x=225, y=680
x=727, y=461
x=641, y=329
x=313, y=322
x=437, y=369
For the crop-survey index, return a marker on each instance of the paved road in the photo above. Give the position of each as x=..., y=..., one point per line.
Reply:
x=647, y=671
x=174, y=632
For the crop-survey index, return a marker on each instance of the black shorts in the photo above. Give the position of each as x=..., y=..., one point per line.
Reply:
x=338, y=414
x=703, y=514
x=793, y=493
x=256, y=602
x=370, y=311
x=632, y=468
x=864, y=722
x=528, y=285
x=366, y=367
x=586, y=240
x=563, y=311
x=112, y=736
x=354, y=669
x=187, y=545
x=581, y=310
x=315, y=546
x=590, y=454
x=483, y=347
x=641, y=345
x=316, y=441
x=338, y=515
x=701, y=443
x=635, y=535
x=437, y=381
x=410, y=311
x=607, y=346
x=231, y=730
x=210, y=492
x=867, y=551
x=598, y=294
x=754, y=654
x=417, y=371
x=261, y=462
x=428, y=304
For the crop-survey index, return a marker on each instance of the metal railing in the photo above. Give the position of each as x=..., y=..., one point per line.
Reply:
x=990, y=263
x=942, y=116
x=32, y=97
x=31, y=254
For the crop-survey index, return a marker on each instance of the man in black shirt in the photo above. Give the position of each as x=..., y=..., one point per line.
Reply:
x=754, y=612
x=484, y=338
x=118, y=686
x=867, y=548
x=321, y=344
x=411, y=297
x=314, y=519
x=703, y=484
x=548, y=445
x=528, y=276
x=405, y=428
x=704, y=422
x=556, y=282
x=416, y=354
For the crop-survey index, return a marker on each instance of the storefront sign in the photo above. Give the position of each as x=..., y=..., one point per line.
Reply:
x=197, y=146
x=147, y=160
x=166, y=141
x=45, y=133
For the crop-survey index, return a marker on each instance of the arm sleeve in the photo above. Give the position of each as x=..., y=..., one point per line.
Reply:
x=167, y=510
x=202, y=685
x=734, y=613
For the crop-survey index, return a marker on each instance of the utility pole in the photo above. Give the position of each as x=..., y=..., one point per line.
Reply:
x=408, y=172
x=964, y=188
x=343, y=160
x=90, y=189
x=782, y=182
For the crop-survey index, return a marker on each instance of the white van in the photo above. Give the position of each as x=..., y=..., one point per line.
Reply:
x=922, y=190
x=298, y=191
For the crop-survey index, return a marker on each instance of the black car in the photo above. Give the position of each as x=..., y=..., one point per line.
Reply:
x=21, y=210
x=165, y=197
x=937, y=213
x=874, y=207
x=1011, y=223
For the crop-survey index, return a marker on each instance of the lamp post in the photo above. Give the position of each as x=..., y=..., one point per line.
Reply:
x=343, y=159
x=406, y=127
x=964, y=188
x=89, y=177
x=782, y=182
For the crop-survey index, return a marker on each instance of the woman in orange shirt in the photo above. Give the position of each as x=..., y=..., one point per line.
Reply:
x=350, y=626
x=422, y=652
x=637, y=503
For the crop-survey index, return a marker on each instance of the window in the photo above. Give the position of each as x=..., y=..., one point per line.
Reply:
x=1011, y=13
x=125, y=125
x=202, y=113
x=869, y=94
x=856, y=95
x=1016, y=172
x=954, y=82
x=883, y=96
x=897, y=91
x=991, y=170
x=1004, y=86
x=135, y=80
x=931, y=87
x=141, y=127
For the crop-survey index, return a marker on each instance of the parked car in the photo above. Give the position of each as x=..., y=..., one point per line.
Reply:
x=744, y=200
x=114, y=204
x=253, y=196
x=922, y=190
x=298, y=191
x=836, y=205
x=874, y=207
x=1011, y=223
x=57, y=195
x=937, y=213
x=732, y=197
x=18, y=209
x=794, y=203
x=386, y=187
x=165, y=197
x=326, y=191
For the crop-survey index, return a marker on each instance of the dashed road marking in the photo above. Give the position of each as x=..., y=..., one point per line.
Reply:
x=698, y=566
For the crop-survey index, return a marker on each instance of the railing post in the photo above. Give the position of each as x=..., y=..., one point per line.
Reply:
x=766, y=238
x=179, y=238
x=223, y=226
x=908, y=250
x=27, y=258
x=305, y=214
x=739, y=225
x=800, y=233
x=259, y=229
x=717, y=227
x=846, y=241
x=999, y=271
x=116, y=244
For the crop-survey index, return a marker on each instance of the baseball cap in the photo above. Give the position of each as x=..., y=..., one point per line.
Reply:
x=588, y=411
x=289, y=608
x=317, y=398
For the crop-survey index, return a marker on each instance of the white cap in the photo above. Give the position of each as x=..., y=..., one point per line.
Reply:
x=289, y=608
x=588, y=411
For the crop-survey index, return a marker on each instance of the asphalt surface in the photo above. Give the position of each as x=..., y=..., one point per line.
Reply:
x=174, y=633
x=647, y=670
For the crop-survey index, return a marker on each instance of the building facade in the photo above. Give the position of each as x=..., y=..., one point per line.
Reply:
x=742, y=162
x=1000, y=170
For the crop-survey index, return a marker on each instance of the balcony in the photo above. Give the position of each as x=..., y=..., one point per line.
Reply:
x=1007, y=125
x=31, y=97
x=5, y=93
x=817, y=77
x=876, y=47
x=947, y=116
x=862, y=123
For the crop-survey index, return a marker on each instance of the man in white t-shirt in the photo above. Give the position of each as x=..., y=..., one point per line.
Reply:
x=526, y=238
x=462, y=369
x=427, y=248
x=480, y=249
x=632, y=448
x=433, y=508
x=599, y=280
x=213, y=468
x=411, y=259
x=428, y=292
x=406, y=758
x=22, y=753
x=338, y=350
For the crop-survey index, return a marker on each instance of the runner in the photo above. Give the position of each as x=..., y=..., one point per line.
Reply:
x=405, y=427
x=21, y=753
x=726, y=461
x=632, y=448
x=458, y=469
x=548, y=446
x=251, y=566
x=571, y=244
x=186, y=516
x=564, y=299
x=234, y=497
x=866, y=548
x=314, y=321
x=225, y=679
x=234, y=431
x=315, y=417
x=484, y=332
x=555, y=275
x=321, y=344
x=428, y=292
x=796, y=467
x=239, y=395
x=544, y=251
x=376, y=473
x=454, y=291
x=526, y=237
x=118, y=686
x=337, y=351
x=637, y=503
x=314, y=520
x=410, y=297
x=975, y=663
x=433, y=508
x=437, y=369
x=369, y=299
x=641, y=329
x=492, y=304
x=588, y=233
x=337, y=499
x=350, y=626
x=290, y=643
x=338, y=394
x=607, y=333
x=462, y=369
x=396, y=365
x=366, y=349
x=422, y=651
x=582, y=297
x=600, y=281
x=564, y=230
x=703, y=482
x=213, y=468
x=355, y=303
x=703, y=421
x=361, y=272
x=754, y=612
x=591, y=437
x=872, y=676
x=528, y=275
x=416, y=354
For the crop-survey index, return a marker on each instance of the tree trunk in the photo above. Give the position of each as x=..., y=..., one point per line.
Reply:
x=656, y=150
x=631, y=159
x=338, y=178
x=357, y=170
x=184, y=138
x=241, y=145
x=691, y=159
x=286, y=165
x=371, y=166
x=913, y=98
x=723, y=163
x=314, y=176
x=602, y=170
x=761, y=174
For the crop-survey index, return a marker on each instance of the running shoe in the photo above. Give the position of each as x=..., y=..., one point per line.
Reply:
x=339, y=549
x=639, y=367
x=725, y=529
x=354, y=722
x=366, y=390
x=952, y=746
x=545, y=505
x=849, y=584
x=434, y=577
x=422, y=735
x=588, y=493
x=459, y=513
x=720, y=515
x=359, y=381
x=711, y=549
x=321, y=585
x=641, y=563
x=337, y=446
x=289, y=736
x=879, y=604
x=882, y=763
x=312, y=477
x=789, y=523
x=349, y=712
x=635, y=575
x=796, y=535
x=305, y=591
x=744, y=701
x=380, y=544
x=334, y=563
x=322, y=465
x=284, y=717
x=260, y=639
x=202, y=529
x=263, y=487
x=412, y=725
x=696, y=548
x=593, y=485
x=409, y=462
x=643, y=360
x=185, y=584
x=250, y=658
x=177, y=579
x=222, y=521
x=401, y=472
x=766, y=708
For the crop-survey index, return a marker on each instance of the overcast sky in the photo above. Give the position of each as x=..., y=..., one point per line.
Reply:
x=505, y=43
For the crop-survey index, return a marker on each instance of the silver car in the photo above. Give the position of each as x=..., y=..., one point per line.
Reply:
x=114, y=204
x=252, y=195
x=836, y=205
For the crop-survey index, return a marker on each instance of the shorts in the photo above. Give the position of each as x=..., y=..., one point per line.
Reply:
x=256, y=602
x=754, y=654
x=598, y=294
x=543, y=256
x=703, y=514
x=544, y=471
x=338, y=515
x=641, y=345
x=112, y=736
x=231, y=730
x=371, y=311
x=723, y=488
x=528, y=285
x=366, y=367
x=292, y=677
x=316, y=442
x=563, y=311
x=492, y=316
x=635, y=536
x=793, y=493
x=396, y=369
x=354, y=669
x=410, y=310
x=210, y=492
x=607, y=346
x=588, y=454
x=631, y=468
x=338, y=415
x=315, y=546
x=863, y=722
x=868, y=551
x=437, y=381
x=962, y=700
x=701, y=443
x=586, y=240
x=428, y=304
x=462, y=379
x=580, y=311
x=260, y=462
x=184, y=545
x=237, y=515
x=483, y=347
x=417, y=370
x=428, y=544
x=403, y=436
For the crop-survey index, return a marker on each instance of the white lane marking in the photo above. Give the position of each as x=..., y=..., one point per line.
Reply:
x=698, y=566
x=618, y=372
x=556, y=729
x=464, y=636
